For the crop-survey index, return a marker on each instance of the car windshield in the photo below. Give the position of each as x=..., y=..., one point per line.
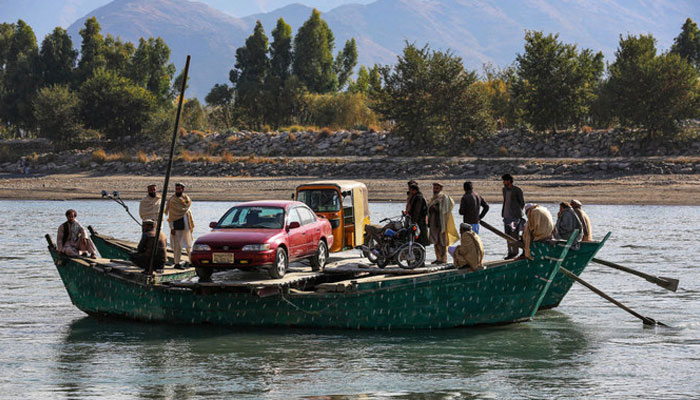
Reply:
x=253, y=217
x=320, y=199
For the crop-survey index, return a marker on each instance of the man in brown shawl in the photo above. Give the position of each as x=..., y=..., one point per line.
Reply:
x=470, y=251
x=181, y=223
x=539, y=226
x=149, y=207
x=585, y=221
x=72, y=239
x=441, y=223
x=144, y=251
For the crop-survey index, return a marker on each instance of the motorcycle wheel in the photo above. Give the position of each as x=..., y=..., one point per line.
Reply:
x=372, y=244
x=411, y=259
x=382, y=262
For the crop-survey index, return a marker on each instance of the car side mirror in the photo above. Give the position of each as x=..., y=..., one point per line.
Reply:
x=212, y=224
x=293, y=225
x=292, y=196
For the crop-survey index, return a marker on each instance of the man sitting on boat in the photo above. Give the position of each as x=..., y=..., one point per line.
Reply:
x=567, y=222
x=585, y=221
x=470, y=251
x=142, y=257
x=539, y=226
x=72, y=239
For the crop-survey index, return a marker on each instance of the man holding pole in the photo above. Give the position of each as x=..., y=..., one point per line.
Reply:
x=181, y=223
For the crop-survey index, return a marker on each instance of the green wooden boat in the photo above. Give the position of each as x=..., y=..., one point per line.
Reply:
x=347, y=297
x=576, y=261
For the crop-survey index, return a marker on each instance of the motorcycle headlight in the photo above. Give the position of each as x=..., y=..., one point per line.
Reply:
x=201, y=247
x=256, y=247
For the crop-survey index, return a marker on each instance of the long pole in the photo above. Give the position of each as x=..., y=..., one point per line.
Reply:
x=163, y=199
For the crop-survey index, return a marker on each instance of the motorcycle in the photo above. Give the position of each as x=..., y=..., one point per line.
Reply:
x=393, y=243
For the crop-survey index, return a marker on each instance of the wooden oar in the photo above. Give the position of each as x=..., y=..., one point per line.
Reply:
x=664, y=282
x=645, y=320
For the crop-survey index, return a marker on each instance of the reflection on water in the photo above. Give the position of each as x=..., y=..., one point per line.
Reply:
x=585, y=348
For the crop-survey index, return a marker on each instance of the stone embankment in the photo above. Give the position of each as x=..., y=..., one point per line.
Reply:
x=382, y=154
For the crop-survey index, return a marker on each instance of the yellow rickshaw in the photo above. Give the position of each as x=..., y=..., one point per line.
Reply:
x=344, y=204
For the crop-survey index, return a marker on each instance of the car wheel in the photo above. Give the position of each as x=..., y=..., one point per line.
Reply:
x=281, y=262
x=204, y=274
x=318, y=262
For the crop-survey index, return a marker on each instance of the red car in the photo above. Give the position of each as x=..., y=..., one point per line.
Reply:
x=263, y=234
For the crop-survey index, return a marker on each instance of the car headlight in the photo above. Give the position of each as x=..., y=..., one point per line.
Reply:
x=256, y=247
x=201, y=247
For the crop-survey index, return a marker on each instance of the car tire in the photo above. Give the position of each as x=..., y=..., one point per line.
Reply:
x=318, y=261
x=279, y=268
x=204, y=274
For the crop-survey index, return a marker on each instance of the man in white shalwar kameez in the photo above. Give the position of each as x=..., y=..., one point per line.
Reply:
x=181, y=223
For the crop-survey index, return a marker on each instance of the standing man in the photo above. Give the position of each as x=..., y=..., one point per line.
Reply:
x=409, y=195
x=149, y=207
x=181, y=223
x=144, y=251
x=585, y=221
x=418, y=211
x=469, y=207
x=72, y=239
x=441, y=223
x=512, y=212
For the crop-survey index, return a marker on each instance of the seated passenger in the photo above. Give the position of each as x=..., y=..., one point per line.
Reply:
x=142, y=257
x=72, y=239
x=567, y=222
x=470, y=252
x=539, y=226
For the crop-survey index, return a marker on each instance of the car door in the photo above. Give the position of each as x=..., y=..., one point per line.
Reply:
x=297, y=236
x=313, y=231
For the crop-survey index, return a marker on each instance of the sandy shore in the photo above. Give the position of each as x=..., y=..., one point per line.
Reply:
x=643, y=189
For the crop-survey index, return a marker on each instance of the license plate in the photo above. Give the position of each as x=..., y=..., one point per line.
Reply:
x=222, y=258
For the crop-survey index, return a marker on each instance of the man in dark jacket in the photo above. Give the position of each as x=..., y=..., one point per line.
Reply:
x=142, y=257
x=512, y=212
x=418, y=211
x=469, y=207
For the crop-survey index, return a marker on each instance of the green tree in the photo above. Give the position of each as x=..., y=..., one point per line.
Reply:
x=150, y=68
x=313, y=55
x=57, y=111
x=345, y=62
x=251, y=71
x=556, y=84
x=220, y=101
x=57, y=58
x=650, y=91
x=498, y=86
x=193, y=116
x=432, y=99
x=92, y=55
x=114, y=105
x=281, y=51
x=21, y=80
x=118, y=55
x=281, y=99
x=687, y=43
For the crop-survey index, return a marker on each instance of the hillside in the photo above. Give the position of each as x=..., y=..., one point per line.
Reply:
x=478, y=31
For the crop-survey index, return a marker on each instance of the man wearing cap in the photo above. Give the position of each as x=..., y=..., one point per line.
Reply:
x=470, y=251
x=181, y=223
x=512, y=211
x=585, y=221
x=409, y=196
x=441, y=223
x=149, y=207
x=538, y=228
x=470, y=205
x=142, y=257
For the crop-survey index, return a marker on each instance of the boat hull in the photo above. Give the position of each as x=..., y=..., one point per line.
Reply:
x=451, y=298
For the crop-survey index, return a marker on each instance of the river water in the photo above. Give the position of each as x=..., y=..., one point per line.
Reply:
x=586, y=348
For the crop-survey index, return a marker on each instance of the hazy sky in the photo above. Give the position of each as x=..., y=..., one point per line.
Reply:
x=44, y=15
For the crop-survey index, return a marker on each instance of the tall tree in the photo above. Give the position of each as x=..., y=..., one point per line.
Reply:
x=150, y=68
x=555, y=83
x=281, y=102
x=57, y=110
x=432, y=99
x=687, y=43
x=251, y=70
x=118, y=55
x=345, y=62
x=650, y=91
x=313, y=55
x=21, y=79
x=57, y=58
x=91, y=50
x=281, y=50
x=220, y=101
